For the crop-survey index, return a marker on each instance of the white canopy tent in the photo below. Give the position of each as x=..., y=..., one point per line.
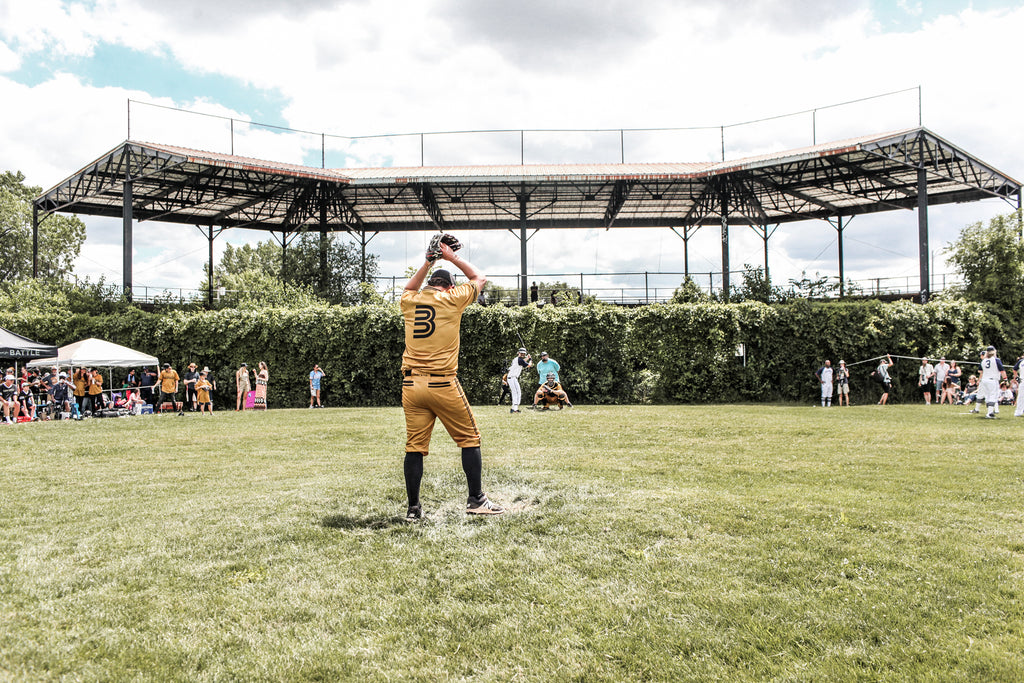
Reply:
x=97, y=353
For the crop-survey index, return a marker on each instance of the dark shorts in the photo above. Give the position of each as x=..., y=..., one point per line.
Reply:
x=887, y=386
x=168, y=398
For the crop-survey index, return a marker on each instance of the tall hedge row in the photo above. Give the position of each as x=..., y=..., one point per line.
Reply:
x=659, y=353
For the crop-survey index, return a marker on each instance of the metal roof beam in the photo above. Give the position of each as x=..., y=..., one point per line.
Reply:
x=620, y=193
x=425, y=194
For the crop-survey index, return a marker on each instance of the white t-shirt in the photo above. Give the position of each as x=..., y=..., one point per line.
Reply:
x=941, y=370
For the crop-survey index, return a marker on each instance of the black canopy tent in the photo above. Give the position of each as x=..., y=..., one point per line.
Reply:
x=22, y=348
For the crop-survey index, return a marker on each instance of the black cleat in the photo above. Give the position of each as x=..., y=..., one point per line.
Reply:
x=483, y=507
x=414, y=513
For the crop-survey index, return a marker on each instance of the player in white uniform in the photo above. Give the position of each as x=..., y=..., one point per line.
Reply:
x=991, y=372
x=519, y=363
x=824, y=376
x=1018, y=370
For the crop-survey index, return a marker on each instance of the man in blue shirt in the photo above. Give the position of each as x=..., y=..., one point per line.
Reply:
x=314, y=386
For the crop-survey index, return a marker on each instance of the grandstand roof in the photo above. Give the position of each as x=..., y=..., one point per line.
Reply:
x=860, y=175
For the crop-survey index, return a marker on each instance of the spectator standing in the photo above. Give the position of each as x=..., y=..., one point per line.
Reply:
x=242, y=386
x=521, y=362
x=941, y=372
x=79, y=393
x=534, y=293
x=547, y=365
x=955, y=373
x=190, y=379
x=169, y=388
x=926, y=380
x=147, y=382
x=96, y=391
x=824, y=375
x=505, y=391
x=262, y=379
x=843, y=383
x=886, y=380
x=315, y=375
x=203, y=389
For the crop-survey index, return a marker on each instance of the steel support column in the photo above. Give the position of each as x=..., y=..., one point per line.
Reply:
x=522, y=244
x=284, y=255
x=323, y=238
x=725, y=243
x=767, y=275
x=842, y=270
x=126, y=248
x=209, y=289
x=35, y=241
x=362, y=255
x=922, y=233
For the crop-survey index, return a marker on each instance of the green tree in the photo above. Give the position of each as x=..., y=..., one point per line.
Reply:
x=689, y=292
x=991, y=260
x=301, y=262
x=60, y=237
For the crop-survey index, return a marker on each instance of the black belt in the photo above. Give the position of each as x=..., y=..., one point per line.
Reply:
x=408, y=373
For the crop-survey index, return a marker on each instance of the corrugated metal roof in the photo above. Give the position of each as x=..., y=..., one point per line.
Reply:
x=857, y=175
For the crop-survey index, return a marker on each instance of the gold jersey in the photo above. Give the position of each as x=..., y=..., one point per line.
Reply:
x=432, y=321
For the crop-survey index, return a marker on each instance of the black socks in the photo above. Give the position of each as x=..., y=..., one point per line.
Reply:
x=472, y=465
x=413, y=476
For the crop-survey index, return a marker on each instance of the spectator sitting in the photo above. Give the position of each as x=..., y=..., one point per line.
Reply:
x=970, y=391
x=26, y=403
x=1006, y=397
x=948, y=392
x=60, y=394
x=9, y=398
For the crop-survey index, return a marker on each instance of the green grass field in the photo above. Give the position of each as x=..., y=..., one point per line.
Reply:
x=644, y=543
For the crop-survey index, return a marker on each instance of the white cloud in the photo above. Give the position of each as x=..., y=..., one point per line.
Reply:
x=9, y=60
x=362, y=67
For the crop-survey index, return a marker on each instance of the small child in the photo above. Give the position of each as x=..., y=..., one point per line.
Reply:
x=203, y=389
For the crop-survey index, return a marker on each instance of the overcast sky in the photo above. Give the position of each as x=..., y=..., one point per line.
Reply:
x=360, y=67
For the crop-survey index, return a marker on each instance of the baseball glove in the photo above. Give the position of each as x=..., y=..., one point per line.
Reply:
x=434, y=248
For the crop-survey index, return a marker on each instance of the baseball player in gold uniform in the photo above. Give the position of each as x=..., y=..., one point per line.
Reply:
x=430, y=388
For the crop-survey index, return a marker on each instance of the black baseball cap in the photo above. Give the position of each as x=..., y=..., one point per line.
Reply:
x=441, y=277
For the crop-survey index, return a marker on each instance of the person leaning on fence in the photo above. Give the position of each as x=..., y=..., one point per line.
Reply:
x=242, y=386
x=169, y=388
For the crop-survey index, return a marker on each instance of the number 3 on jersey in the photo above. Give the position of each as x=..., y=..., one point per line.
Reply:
x=423, y=325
